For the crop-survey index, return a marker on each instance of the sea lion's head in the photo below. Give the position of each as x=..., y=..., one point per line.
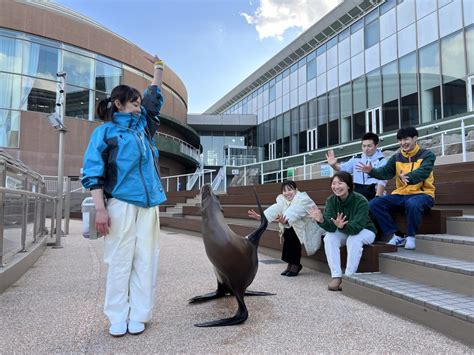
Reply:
x=209, y=198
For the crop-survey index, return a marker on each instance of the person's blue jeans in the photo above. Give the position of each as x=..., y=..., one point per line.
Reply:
x=413, y=205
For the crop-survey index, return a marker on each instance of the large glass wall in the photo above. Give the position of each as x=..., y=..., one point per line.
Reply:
x=409, y=58
x=28, y=81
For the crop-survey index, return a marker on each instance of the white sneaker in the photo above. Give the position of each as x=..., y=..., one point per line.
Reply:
x=411, y=243
x=397, y=241
x=118, y=329
x=135, y=328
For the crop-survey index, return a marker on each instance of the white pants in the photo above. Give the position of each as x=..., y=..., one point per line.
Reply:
x=132, y=253
x=334, y=241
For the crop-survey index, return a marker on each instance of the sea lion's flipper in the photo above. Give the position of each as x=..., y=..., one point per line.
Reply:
x=258, y=293
x=254, y=238
x=221, y=291
x=240, y=317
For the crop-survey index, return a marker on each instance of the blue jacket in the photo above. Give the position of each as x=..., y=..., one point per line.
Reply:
x=122, y=158
x=377, y=160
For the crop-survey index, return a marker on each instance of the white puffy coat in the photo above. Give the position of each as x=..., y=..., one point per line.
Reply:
x=295, y=211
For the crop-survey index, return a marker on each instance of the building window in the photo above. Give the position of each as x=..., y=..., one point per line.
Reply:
x=390, y=97
x=77, y=102
x=38, y=95
x=408, y=91
x=430, y=95
x=107, y=77
x=371, y=34
x=454, y=73
x=9, y=128
x=10, y=54
x=79, y=69
x=346, y=112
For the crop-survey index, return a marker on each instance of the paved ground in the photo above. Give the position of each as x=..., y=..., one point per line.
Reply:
x=57, y=307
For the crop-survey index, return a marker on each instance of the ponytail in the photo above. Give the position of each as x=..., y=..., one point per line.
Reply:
x=106, y=107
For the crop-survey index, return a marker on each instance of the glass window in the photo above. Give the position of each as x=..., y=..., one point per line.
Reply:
x=332, y=78
x=405, y=13
x=9, y=129
x=77, y=102
x=40, y=61
x=374, y=89
x=107, y=77
x=286, y=85
x=321, y=63
x=293, y=80
x=302, y=75
x=301, y=94
x=286, y=102
x=346, y=112
x=272, y=93
x=390, y=97
x=406, y=40
x=344, y=34
x=311, y=69
x=279, y=105
x=387, y=5
x=388, y=49
x=408, y=90
x=344, y=72
x=344, y=49
x=333, y=98
x=38, y=95
x=331, y=43
x=279, y=88
x=470, y=49
x=371, y=34
x=454, y=72
x=312, y=114
x=332, y=57
x=359, y=94
x=321, y=49
x=333, y=134
x=468, y=7
x=311, y=89
x=321, y=84
x=372, y=58
x=371, y=16
x=388, y=24
x=271, y=109
x=10, y=87
x=10, y=55
x=293, y=98
x=425, y=7
x=295, y=121
x=357, y=42
x=322, y=121
x=450, y=18
x=430, y=83
x=426, y=30
x=303, y=118
x=79, y=69
x=311, y=56
x=357, y=65
x=357, y=25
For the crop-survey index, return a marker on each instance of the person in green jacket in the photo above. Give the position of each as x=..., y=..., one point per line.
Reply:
x=347, y=222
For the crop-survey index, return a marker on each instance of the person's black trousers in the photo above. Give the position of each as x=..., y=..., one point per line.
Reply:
x=291, y=247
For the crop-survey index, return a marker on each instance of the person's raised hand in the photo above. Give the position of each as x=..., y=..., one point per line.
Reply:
x=281, y=219
x=331, y=157
x=315, y=213
x=365, y=168
x=153, y=59
x=340, y=220
x=253, y=214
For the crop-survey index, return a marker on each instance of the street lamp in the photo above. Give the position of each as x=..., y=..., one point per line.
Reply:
x=56, y=119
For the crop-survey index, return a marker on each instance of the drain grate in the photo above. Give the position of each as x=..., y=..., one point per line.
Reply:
x=271, y=261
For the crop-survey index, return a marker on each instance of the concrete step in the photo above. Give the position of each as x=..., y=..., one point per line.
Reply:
x=453, y=274
x=460, y=225
x=175, y=209
x=171, y=214
x=449, y=312
x=193, y=201
x=450, y=246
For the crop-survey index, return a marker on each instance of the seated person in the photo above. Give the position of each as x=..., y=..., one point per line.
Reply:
x=413, y=168
x=347, y=222
x=363, y=183
x=296, y=226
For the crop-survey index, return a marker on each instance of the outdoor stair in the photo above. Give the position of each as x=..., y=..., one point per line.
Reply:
x=432, y=285
x=177, y=210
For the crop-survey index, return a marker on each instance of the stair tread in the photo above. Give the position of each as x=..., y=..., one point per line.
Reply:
x=430, y=260
x=440, y=299
x=447, y=238
x=468, y=218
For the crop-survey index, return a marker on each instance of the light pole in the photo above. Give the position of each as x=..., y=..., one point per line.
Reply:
x=56, y=119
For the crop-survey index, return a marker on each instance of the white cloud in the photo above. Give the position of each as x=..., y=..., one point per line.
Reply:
x=273, y=17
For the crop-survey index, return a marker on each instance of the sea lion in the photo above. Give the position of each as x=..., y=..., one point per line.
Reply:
x=234, y=257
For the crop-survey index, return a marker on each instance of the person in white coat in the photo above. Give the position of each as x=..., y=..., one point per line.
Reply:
x=296, y=225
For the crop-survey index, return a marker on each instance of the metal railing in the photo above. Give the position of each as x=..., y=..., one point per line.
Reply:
x=184, y=148
x=180, y=182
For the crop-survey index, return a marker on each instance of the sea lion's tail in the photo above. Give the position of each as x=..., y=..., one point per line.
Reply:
x=255, y=236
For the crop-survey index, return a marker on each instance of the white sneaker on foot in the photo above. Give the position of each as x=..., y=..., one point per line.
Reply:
x=397, y=241
x=118, y=329
x=411, y=243
x=135, y=328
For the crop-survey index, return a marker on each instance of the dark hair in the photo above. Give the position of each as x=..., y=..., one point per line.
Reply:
x=124, y=93
x=407, y=132
x=369, y=136
x=344, y=176
x=288, y=183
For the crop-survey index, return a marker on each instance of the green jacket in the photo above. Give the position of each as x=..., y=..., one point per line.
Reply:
x=356, y=209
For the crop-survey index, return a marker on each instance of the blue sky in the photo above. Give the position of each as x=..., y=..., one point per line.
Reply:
x=212, y=45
